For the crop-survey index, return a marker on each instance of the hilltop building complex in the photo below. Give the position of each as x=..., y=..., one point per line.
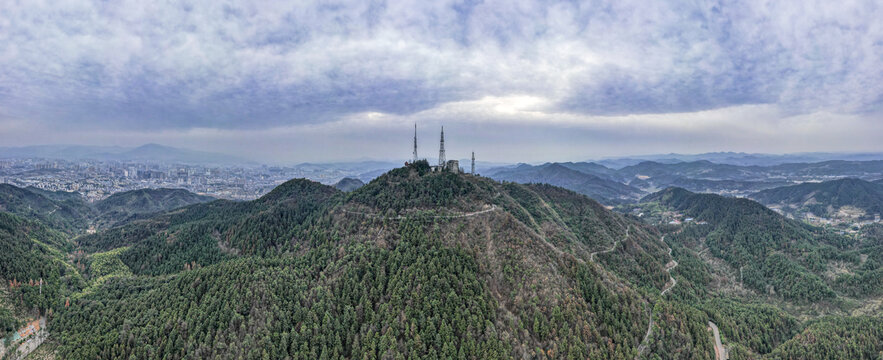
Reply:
x=443, y=164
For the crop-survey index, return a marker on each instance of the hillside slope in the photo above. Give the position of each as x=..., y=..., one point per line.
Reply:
x=827, y=198
x=411, y=264
x=772, y=251
x=70, y=213
x=420, y=264
x=31, y=252
x=565, y=176
x=123, y=205
x=63, y=211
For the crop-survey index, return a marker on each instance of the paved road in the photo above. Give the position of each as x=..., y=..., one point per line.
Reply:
x=720, y=352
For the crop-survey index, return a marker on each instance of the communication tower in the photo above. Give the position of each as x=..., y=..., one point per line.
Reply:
x=415, y=142
x=441, y=149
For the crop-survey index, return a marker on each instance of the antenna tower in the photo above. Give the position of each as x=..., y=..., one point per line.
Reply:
x=473, y=163
x=441, y=149
x=415, y=142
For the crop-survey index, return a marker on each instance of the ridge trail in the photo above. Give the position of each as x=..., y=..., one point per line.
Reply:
x=401, y=217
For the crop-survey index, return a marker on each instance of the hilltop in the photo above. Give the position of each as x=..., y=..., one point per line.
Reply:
x=626, y=184
x=348, y=184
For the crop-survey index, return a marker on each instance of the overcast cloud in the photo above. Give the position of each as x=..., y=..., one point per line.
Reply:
x=513, y=80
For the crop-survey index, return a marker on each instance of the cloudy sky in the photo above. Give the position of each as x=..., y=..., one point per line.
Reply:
x=291, y=81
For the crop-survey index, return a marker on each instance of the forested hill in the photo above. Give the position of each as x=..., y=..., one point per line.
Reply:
x=413, y=264
x=124, y=205
x=349, y=184
x=827, y=198
x=149, y=200
x=69, y=212
x=776, y=255
x=31, y=252
x=421, y=264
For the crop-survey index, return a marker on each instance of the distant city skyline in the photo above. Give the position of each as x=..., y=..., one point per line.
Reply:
x=162, y=154
x=529, y=81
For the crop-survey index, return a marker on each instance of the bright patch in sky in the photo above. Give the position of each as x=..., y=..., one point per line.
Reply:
x=512, y=80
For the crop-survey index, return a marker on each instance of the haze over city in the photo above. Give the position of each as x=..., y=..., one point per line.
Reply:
x=524, y=81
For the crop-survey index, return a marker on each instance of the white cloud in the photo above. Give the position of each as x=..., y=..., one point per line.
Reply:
x=748, y=68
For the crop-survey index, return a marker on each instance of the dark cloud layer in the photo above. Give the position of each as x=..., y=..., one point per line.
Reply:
x=98, y=71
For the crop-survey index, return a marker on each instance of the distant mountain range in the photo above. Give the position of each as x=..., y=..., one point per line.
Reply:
x=148, y=152
x=614, y=185
x=740, y=158
x=585, y=182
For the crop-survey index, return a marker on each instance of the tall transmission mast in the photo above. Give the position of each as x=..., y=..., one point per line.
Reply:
x=473, y=163
x=441, y=149
x=415, y=142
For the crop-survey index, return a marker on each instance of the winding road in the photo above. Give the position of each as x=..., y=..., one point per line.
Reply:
x=720, y=352
x=592, y=255
x=668, y=268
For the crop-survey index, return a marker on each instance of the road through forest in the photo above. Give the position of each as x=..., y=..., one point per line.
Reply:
x=643, y=346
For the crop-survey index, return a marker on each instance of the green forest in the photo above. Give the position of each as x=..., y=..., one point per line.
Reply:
x=435, y=265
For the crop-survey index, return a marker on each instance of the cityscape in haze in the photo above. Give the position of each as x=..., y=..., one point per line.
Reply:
x=98, y=174
x=452, y=179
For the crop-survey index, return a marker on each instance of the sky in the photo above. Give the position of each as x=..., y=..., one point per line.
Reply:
x=514, y=81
